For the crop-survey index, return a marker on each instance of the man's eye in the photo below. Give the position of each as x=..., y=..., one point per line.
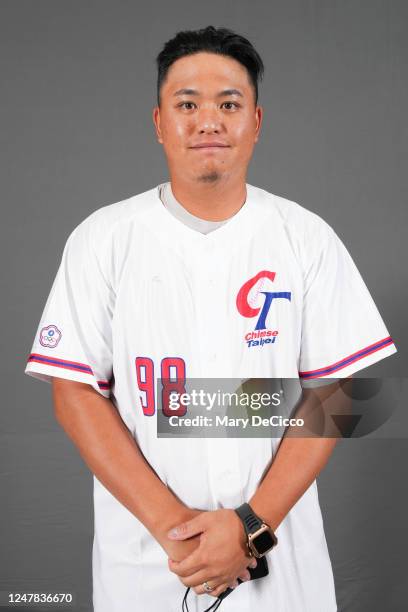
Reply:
x=184, y=103
x=233, y=104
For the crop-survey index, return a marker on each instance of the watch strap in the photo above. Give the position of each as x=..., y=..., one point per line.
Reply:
x=251, y=521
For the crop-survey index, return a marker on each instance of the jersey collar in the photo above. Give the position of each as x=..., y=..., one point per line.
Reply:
x=172, y=228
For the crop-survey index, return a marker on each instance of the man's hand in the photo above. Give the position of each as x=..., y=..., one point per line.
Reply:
x=180, y=549
x=221, y=556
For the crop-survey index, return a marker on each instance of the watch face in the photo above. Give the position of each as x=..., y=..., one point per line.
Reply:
x=263, y=542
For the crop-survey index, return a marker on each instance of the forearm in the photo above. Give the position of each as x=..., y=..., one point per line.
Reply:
x=296, y=465
x=302, y=454
x=111, y=453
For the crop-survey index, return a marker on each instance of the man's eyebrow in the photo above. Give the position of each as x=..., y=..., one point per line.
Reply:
x=193, y=92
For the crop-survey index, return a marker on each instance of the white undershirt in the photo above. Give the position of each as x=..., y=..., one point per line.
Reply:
x=178, y=211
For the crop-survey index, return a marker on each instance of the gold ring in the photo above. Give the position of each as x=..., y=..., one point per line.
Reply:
x=207, y=587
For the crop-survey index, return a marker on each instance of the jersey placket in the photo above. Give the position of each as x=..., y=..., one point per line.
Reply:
x=224, y=474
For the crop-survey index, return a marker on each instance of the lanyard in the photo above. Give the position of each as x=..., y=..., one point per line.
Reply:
x=212, y=608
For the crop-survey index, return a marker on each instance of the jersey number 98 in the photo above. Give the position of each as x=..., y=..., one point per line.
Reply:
x=172, y=379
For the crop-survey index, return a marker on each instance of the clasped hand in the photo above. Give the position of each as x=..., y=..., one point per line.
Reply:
x=222, y=555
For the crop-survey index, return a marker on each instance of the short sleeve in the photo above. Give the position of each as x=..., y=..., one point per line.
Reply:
x=342, y=329
x=74, y=335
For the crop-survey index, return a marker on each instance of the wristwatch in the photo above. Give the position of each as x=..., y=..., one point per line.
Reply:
x=261, y=538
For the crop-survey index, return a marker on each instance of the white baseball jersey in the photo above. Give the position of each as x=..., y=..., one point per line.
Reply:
x=137, y=294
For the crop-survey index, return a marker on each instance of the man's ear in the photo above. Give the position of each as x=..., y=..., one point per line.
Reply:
x=258, y=119
x=156, y=121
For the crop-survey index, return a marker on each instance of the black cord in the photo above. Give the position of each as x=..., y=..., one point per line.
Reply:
x=212, y=608
x=185, y=609
x=215, y=605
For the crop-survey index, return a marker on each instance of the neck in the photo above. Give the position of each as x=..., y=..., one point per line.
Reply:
x=210, y=201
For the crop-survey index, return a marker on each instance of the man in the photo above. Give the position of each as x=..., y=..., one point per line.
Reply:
x=204, y=276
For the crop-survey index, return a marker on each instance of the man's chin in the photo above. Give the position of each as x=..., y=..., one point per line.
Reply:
x=210, y=176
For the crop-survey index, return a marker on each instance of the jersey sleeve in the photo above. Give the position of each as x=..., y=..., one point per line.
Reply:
x=74, y=335
x=342, y=329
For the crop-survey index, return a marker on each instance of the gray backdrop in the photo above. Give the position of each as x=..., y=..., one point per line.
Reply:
x=78, y=86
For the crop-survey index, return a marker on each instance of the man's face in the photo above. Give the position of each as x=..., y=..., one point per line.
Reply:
x=207, y=99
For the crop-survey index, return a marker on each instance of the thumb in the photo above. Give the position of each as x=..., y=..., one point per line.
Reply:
x=187, y=529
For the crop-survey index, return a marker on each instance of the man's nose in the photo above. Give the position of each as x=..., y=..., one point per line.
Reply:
x=208, y=121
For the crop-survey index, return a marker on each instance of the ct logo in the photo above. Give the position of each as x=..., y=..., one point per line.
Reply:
x=246, y=310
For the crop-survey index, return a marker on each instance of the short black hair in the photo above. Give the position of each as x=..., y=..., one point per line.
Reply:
x=213, y=40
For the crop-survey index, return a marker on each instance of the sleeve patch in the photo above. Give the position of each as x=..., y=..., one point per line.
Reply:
x=50, y=336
